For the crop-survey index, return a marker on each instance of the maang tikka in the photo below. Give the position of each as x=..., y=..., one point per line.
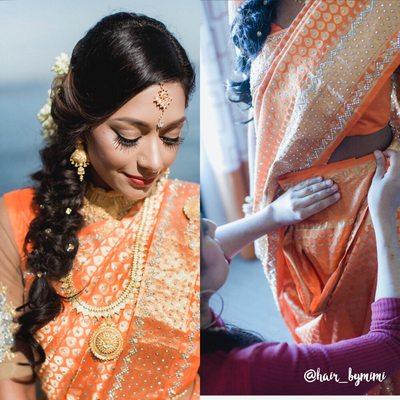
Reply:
x=162, y=101
x=79, y=159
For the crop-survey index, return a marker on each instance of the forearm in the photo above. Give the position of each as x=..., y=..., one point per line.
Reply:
x=235, y=235
x=388, y=256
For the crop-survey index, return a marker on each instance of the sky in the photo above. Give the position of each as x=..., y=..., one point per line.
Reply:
x=33, y=33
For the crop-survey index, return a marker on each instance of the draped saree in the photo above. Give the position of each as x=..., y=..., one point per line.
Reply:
x=160, y=326
x=310, y=85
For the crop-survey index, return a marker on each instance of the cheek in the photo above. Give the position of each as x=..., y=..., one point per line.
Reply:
x=169, y=155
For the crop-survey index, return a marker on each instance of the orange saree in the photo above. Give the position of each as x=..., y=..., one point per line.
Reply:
x=159, y=355
x=311, y=84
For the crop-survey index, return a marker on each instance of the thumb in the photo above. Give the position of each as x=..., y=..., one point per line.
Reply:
x=380, y=165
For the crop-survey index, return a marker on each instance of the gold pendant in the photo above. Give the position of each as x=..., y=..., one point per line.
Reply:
x=106, y=342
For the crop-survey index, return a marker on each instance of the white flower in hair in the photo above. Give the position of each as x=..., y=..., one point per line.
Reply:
x=62, y=64
x=49, y=127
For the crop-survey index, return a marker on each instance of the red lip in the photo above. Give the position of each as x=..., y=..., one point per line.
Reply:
x=140, y=180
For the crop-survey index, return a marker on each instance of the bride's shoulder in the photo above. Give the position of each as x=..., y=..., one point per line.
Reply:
x=20, y=197
x=186, y=197
x=16, y=214
x=185, y=189
x=18, y=202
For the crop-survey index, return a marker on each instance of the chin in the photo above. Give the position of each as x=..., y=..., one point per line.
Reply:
x=134, y=193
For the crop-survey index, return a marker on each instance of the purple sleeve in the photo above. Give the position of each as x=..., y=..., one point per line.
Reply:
x=280, y=368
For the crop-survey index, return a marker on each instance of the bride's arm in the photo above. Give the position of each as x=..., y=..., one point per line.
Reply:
x=11, y=296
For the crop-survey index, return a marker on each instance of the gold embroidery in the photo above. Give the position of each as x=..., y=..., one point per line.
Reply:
x=191, y=210
x=106, y=342
x=155, y=330
x=171, y=271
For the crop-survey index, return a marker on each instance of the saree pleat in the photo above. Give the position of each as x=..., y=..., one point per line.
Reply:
x=311, y=84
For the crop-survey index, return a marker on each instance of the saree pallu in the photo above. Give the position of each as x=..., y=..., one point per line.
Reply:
x=310, y=84
x=160, y=357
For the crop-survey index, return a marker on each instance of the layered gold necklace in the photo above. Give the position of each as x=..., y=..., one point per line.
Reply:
x=106, y=342
x=100, y=204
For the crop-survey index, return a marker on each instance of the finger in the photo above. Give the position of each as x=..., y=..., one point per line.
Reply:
x=307, y=182
x=380, y=165
x=322, y=204
x=394, y=158
x=316, y=187
x=318, y=196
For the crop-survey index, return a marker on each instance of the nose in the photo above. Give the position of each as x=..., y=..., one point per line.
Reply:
x=150, y=158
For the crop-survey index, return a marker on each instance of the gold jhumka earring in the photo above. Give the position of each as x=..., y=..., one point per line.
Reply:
x=162, y=101
x=79, y=159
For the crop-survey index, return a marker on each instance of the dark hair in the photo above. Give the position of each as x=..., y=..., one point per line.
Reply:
x=212, y=340
x=249, y=30
x=123, y=54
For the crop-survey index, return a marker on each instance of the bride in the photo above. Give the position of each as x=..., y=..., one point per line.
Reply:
x=99, y=258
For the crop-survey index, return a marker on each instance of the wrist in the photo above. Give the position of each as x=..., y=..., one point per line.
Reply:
x=272, y=216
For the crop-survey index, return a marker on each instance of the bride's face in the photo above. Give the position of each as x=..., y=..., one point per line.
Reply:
x=128, y=152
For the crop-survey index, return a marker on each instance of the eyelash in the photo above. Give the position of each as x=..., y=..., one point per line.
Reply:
x=124, y=142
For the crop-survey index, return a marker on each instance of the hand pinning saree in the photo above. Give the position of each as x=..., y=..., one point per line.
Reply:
x=311, y=83
x=158, y=351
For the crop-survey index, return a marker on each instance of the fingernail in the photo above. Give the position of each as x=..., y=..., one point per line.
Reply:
x=329, y=182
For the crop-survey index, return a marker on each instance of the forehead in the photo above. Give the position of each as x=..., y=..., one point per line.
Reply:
x=143, y=107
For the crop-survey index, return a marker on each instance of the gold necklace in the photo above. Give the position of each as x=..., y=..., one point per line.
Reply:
x=106, y=342
x=100, y=204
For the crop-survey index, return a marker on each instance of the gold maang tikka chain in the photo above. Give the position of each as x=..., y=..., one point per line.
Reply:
x=162, y=101
x=106, y=342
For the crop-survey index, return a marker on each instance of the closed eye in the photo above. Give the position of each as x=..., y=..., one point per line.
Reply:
x=172, y=141
x=122, y=141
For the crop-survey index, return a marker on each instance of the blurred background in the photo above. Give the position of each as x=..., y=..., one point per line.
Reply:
x=33, y=33
x=226, y=174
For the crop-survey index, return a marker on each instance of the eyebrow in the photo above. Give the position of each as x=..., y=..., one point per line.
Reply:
x=136, y=122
